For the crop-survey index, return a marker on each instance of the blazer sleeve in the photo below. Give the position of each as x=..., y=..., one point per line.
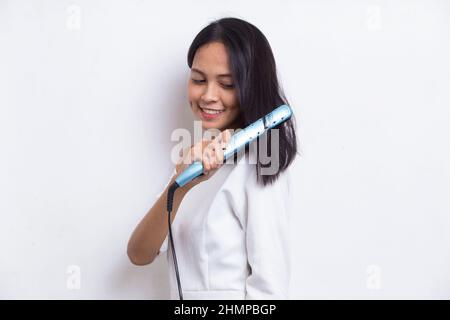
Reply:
x=267, y=239
x=164, y=245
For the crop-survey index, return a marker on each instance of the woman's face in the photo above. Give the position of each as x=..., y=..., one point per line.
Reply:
x=211, y=90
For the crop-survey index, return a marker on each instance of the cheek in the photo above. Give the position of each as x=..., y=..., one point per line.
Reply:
x=193, y=93
x=231, y=101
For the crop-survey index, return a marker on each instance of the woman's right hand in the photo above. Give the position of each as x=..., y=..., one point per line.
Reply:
x=209, y=152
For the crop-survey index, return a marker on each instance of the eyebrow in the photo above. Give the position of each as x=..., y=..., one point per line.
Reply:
x=219, y=75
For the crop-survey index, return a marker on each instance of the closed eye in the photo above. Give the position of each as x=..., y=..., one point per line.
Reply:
x=228, y=86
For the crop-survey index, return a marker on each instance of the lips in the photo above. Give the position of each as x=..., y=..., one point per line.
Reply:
x=209, y=114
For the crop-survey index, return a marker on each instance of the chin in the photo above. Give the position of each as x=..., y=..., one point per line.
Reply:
x=209, y=125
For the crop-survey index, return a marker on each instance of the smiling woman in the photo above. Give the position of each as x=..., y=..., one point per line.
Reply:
x=230, y=227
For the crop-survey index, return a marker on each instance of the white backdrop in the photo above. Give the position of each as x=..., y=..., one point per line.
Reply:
x=90, y=92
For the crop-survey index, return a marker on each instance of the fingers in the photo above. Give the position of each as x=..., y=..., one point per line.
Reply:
x=223, y=140
x=224, y=137
x=214, y=151
x=206, y=157
x=209, y=158
x=210, y=152
x=200, y=152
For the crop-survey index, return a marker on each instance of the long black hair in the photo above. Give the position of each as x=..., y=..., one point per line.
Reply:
x=254, y=74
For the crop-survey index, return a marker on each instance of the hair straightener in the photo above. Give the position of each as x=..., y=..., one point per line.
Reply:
x=238, y=141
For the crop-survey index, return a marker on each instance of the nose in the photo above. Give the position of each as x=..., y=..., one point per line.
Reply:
x=211, y=93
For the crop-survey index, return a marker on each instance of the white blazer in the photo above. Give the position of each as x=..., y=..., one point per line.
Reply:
x=231, y=236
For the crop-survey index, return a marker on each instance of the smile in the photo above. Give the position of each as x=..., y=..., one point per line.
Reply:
x=211, y=111
x=209, y=114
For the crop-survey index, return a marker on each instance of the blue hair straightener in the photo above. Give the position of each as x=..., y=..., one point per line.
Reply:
x=239, y=140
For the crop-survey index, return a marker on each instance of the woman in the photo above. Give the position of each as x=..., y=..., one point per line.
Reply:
x=230, y=225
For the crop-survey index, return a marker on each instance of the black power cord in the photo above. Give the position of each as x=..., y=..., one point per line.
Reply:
x=170, y=195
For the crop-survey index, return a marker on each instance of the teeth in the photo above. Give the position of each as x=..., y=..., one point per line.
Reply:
x=211, y=111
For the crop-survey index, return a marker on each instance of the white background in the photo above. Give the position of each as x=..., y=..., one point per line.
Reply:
x=90, y=92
